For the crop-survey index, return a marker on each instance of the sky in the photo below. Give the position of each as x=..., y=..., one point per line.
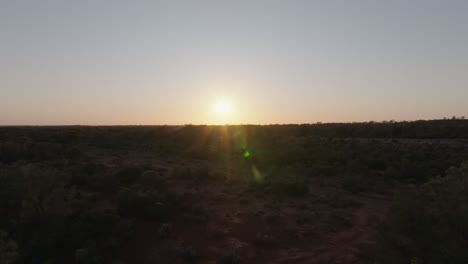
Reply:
x=96, y=62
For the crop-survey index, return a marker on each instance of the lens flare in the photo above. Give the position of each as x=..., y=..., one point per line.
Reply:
x=258, y=176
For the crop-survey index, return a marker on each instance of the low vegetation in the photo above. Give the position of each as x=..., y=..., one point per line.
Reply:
x=151, y=194
x=428, y=224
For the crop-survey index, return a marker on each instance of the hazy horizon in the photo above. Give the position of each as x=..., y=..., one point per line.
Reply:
x=238, y=124
x=236, y=62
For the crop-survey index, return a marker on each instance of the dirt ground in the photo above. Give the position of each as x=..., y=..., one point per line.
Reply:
x=228, y=221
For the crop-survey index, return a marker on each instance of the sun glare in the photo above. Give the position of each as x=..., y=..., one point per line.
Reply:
x=223, y=107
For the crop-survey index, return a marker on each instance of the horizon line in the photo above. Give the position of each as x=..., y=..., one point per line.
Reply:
x=237, y=124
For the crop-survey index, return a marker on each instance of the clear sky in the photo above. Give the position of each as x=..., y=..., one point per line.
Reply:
x=273, y=61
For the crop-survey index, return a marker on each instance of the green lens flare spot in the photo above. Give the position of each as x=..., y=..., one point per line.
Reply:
x=258, y=177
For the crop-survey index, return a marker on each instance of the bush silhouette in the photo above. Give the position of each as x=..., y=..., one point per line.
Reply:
x=8, y=249
x=141, y=206
x=294, y=188
x=128, y=175
x=152, y=180
x=429, y=225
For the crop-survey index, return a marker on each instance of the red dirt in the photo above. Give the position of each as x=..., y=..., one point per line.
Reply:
x=231, y=217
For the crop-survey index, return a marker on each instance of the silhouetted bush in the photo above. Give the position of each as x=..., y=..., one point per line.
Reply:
x=356, y=183
x=46, y=151
x=429, y=225
x=73, y=153
x=95, y=224
x=141, y=206
x=181, y=173
x=8, y=249
x=81, y=179
x=264, y=240
x=290, y=188
x=232, y=258
x=194, y=174
x=128, y=175
x=152, y=180
x=377, y=164
x=11, y=151
x=11, y=194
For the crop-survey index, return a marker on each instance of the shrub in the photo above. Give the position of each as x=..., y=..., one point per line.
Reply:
x=429, y=225
x=10, y=152
x=182, y=173
x=165, y=231
x=73, y=153
x=11, y=195
x=377, y=164
x=355, y=183
x=46, y=150
x=187, y=253
x=8, y=249
x=139, y=205
x=196, y=175
x=95, y=224
x=201, y=174
x=128, y=175
x=231, y=258
x=264, y=240
x=152, y=179
x=293, y=188
x=81, y=179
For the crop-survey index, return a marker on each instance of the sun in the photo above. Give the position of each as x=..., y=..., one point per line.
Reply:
x=223, y=107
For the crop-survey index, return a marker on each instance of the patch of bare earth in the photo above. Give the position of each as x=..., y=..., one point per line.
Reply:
x=234, y=221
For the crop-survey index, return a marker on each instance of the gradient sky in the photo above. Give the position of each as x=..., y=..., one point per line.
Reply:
x=170, y=62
